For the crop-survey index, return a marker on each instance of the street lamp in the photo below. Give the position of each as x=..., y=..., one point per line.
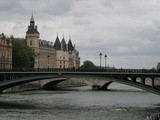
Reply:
x=105, y=60
x=38, y=60
x=100, y=59
x=48, y=61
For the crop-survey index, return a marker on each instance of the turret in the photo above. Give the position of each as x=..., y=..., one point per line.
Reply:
x=32, y=29
x=63, y=45
x=32, y=38
x=70, y=46
x=57, y=44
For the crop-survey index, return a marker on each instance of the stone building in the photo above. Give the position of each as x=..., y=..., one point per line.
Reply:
x=66, y=54
x=49, y=55
x=5, y=52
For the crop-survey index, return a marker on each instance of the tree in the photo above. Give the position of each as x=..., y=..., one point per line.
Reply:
x=22, y=55
x=88, y=65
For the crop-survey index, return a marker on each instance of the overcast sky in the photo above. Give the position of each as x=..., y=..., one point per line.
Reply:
x=128, y=31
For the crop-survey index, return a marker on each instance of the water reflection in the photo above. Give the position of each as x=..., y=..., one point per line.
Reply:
x=15, y=105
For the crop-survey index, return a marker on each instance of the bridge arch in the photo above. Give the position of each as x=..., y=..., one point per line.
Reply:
x=105, y=86
x=50, y=85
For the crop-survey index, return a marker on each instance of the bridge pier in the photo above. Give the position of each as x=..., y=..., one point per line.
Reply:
x=143, y=81
x=133, y=79
x=96, y=87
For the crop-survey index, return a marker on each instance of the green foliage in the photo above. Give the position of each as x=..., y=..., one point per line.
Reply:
x=22, y=55
x=88, y=65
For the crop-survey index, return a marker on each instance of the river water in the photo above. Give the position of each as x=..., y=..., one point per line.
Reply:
x=79, y=103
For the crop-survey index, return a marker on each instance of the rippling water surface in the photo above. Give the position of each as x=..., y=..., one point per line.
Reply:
x=80, y=103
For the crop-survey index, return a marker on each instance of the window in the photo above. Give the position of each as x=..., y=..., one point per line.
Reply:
x=31, y=43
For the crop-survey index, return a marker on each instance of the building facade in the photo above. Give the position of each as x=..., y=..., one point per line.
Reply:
x=49, y=55
x=5, y=52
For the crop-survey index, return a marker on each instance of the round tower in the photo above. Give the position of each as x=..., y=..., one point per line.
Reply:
x=32, y=39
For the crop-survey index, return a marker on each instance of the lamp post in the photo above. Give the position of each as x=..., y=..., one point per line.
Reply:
x=38, y=60
x=48, y=61
x=105, y=60
x=100, y=59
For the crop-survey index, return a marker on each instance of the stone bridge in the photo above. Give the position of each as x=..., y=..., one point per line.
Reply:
x=97, y=80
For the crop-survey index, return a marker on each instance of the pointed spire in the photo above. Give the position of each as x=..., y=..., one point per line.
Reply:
x=32, y=28
x=63, y=44
x=32, y=18
x=57, y=44
x=70, y=46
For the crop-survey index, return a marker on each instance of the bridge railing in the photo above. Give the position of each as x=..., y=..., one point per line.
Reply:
x=80, y=70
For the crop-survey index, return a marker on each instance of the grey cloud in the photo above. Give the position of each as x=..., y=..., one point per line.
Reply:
x=44, y=27
x=10, y=5
x=81, y=22
x=58, y=7
x=79, y=14
x=108, y=4
x=123, y=29
x=51, y=7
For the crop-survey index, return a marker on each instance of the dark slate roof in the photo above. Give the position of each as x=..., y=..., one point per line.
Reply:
x=70, y=46
x=63, y=45
x=57, y=44
x=32, y=29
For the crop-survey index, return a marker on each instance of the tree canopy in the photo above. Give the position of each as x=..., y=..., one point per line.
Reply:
x=88, y=65
x=22, y=55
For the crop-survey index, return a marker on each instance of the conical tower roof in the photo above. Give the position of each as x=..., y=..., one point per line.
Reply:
x=70, y=46
x=63, y=45
x=57, y=44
